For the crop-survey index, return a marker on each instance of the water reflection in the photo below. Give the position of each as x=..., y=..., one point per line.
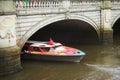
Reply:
x=100, y=63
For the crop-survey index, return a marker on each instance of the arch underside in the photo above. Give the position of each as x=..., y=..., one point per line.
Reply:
x=116, y=30
x=53, y=19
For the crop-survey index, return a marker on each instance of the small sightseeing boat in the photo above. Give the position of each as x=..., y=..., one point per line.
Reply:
x=51, y=51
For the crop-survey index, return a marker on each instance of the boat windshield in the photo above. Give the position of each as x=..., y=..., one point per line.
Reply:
x=52, y=49
x=46, y=49
x=59, y=48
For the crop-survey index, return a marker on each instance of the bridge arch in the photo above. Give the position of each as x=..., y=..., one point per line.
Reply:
x=115, y=20
x=53, y=19
x=116, y=30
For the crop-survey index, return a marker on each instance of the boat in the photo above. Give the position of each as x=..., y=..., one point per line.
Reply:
x=51, y=51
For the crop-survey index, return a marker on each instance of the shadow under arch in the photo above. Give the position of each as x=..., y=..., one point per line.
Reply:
x=116, y=30
x=115, y=20
x=53, y=19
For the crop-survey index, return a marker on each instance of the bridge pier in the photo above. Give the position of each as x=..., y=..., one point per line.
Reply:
x=107, y=32
x=9, y=51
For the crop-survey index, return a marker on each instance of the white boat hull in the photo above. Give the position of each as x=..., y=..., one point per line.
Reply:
x=66, y=58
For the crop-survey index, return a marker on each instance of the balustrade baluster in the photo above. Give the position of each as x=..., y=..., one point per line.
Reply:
x=49, y=4
x=31, y=4
x=24, y=4
x=56, y=3
x=43, y=4
x=53, y=3
x=46, y=3
x=16, y=3
x=20, y=4
x=27, y=4
x=37, y=3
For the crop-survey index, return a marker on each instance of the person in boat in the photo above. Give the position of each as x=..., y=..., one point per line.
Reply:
x=51, y=49
x=51, y=42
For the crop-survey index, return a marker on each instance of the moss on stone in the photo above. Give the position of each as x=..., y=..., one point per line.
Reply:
x=9, y=51
x=7, y=7
x=106, y=4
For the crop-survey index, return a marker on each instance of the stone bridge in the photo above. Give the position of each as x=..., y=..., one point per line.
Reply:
x=20, y=19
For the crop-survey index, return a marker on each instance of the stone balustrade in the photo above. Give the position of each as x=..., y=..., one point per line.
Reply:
x=25, y=7
x=27, y=4
x=21, y=4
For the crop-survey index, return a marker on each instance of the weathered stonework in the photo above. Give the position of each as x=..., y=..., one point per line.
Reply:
x=9, y=51
x=100, y=14
x=108, y=37
x=106, y=17
x=106, y=4
x=7, y=31
x=7, y=7
x=10, y=60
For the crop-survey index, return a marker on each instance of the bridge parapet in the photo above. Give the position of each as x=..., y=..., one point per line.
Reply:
x=21, y=4
x=54, y=6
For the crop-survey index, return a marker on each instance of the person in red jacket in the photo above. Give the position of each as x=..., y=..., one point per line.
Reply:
x=51, y=42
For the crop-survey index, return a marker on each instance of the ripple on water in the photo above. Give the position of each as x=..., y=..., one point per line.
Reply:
x=113, y=71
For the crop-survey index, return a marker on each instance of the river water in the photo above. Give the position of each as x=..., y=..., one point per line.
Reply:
x=100, y=63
